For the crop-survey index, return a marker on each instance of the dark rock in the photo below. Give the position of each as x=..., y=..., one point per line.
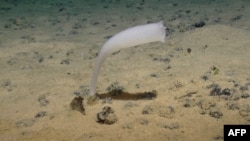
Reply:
x=175, y=4
x=236, y=18
x=225, y=91
x=40, y=59
x=6, y=83
x=106, y=116
x=41, y=114
x=205, y=77
x=245, y=95
x=61, y=9
x=65, y=61
x=108, y=37
x=215, y=114
x=137, y=86
x=215, y=91
x=232, y=106
x=244, y=88
x=188, y=102
x=154, y=75
x=77, y=104
x=69, y=52
x=43, y=101
x=199, y=24
x=95, y=23
x=161, y=59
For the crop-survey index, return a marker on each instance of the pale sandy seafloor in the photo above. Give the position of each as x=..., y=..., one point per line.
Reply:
x=48, y=49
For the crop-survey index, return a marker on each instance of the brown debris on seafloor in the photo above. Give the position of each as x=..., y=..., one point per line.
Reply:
x=77, y=104
x=117, y=91
x=121, y=95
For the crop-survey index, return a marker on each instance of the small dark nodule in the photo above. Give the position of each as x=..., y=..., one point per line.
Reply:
x=199, y=24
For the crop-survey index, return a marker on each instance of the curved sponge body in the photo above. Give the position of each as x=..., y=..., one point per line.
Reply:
x=130, y=37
